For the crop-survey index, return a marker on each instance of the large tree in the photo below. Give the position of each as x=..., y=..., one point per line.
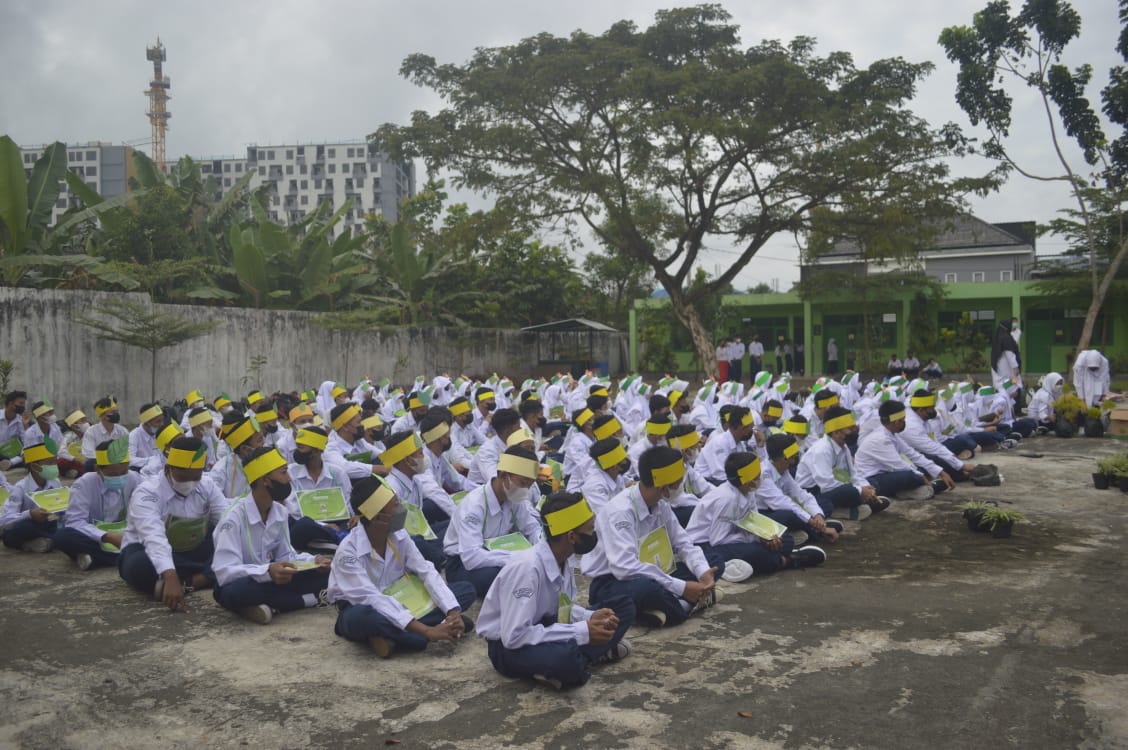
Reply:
x=668, y=140
x=1025, y=49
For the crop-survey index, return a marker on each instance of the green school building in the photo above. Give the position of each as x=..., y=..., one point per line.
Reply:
x=1049, y=332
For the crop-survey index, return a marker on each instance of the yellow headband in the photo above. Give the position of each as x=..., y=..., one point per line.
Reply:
x=74, y=418
x=826, y=403
x=100, y=410
x=267, y=415
x=415, y=403
x=263, y=465
x=38, y=452
x=371, y=423
x=241, y=433
x=401, y=450
x=460, y=408
x=486, y=396
x=791, y=450
x=612, y=457
x=599, y=391
x=584, y=417
x=774, y=411
x=255, y=397
x=311, y=439
x=668, y=475
x=178, y=458
x=375, y=503
x=43, y=409
x=436, y=432
x=896, y=417
x=922, y=402
x=519, y=436
x=746, y=420
x=750, y=472
x=567, y=519
x=151, y=413
x=607, y=429
x=170, y=432
x=345, y=417
x=658, y=428
x=522, y=467
x=674, y=397
x=116, y=453
x=839, y=423
x=202, y=418
x=299, y=411
x=338, y=391
x=685, y=442
x=222, y=401
x=796, y=428
x=193, y=397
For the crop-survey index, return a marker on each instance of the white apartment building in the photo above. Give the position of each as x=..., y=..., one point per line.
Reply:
x=303, y=175
x=103, y=167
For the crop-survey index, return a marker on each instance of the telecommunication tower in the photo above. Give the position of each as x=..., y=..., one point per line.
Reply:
x=158, y=101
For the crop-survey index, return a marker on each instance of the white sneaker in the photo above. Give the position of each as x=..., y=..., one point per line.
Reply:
x=39, y=544
x=923, y=492
x=259, y=613
x=799, y=537
x=84, y=561
x=736, y=570
x=857, y=513
x=621, y=651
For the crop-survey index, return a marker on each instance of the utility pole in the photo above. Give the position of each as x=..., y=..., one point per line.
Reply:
x=158, y=102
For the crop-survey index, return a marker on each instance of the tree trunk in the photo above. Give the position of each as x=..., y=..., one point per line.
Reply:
x=1099, y=295
x=688, y=316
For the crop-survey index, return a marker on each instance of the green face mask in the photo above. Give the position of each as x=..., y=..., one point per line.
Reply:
x=49, y=472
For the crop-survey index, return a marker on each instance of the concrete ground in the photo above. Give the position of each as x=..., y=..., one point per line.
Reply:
x=916, y=634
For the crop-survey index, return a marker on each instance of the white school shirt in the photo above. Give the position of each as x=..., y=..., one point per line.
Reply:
x=622, y=524
x=484, y=465
x=18, y=505
x=415, y=489
x=285, y=444
x=332, y=475
x=481, y=516
x=599, y=487
x=781, y=492
x=11, y=428
x=714, y=519
x=245, y=545
x=359, y=575
x=756, y=349
x=738, y=349
x=91, y=502
x=817, y=465
x=154, y=502
x=443, y=472
x=229, y=477
x=34, y=434
x=525, y=592
x=711, y=461
x=880, y=451
x=922, y=437
x=96, y=434
x=142, y=446
x=462, y=439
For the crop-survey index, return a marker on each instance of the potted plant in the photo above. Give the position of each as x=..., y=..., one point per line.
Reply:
x=973, y=513
x=1000, y=521
x=1094, y=425
x=1106, y=470
x=1069, y=411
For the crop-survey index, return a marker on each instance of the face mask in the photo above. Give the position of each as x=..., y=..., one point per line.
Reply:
x=517, y=495
x=419, y=465
x=279, y=491
x=20, y=409
x=150, y=430
x=674, y=491
x=625, y=466
x=115, y=483
x=184, y=489
x=113, y=418
x=80, y=428
x=586, y=544
x=270, y=430
x=491, y=407
x=691, y=456
x=541, y=422
x=397, y=520
x=302, y=458
x=375, y=436
x=52, y=419
x=931, y=414
x=225, y=410
x=49, y=472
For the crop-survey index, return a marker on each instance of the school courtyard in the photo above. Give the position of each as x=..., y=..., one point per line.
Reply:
x=917, y=633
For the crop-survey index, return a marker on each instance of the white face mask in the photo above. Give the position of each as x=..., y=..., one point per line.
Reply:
x=80, y=428
x=419, y=465
x=517, y=495
x=184, y=489
x=52, y=419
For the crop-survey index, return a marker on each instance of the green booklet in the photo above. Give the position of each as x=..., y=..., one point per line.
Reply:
x=514, y=542
x=324, y=505
x=364, y=457
x=4, y=494
x=11, y=449
x=761, y=525
x=116, y=526
x=52, y=501
x=303, y=565
x=412, y=594
x=457, y=497
x=416, y=523
x=185, y=534
x=655, y=548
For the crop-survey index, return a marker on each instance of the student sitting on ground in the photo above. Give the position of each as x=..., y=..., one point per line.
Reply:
x=25, y=525
x=387, y=594
x=881, y=459
x=257, y=571
x=530, y=619
x=781, y=499
x=98, y=499
x=827, y=471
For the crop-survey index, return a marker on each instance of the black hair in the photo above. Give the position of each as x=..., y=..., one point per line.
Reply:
x=503, y=419
x=834, y=412
x=776, y=444
x=14, y=396
x=530, y=406
x=736, y=461
x=888, y=409
x=595, y=403
x=599, y=447
x=261, y=451
x=430, y=421
x=658, y=402
x=362, y=489
x=103, y=403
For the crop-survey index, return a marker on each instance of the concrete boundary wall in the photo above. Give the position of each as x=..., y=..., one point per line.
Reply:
x=68, y=364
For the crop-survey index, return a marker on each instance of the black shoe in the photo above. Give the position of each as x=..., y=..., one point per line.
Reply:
x=835, y=524
x=938, y=486
x=1015, y=436
x=880, y=503
x=807, y=557
x=467, y=625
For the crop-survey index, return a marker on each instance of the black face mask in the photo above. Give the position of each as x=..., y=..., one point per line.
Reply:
x=270, y=430
x=114, y=418
x=541, y=422
x=301, y=458
x=375, y=436
x=491, y=407
x=279, y=491
x=586, y=544
x=20, y=409
x=931, y=414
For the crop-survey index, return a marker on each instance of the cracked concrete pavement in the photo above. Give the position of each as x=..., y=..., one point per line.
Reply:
x=916, y=634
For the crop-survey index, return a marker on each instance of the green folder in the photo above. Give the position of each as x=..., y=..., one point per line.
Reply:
x=363, y=457
x=655, y=548
x=303, y=565
x=4, y=493
x=514, y=542
x=416, y=523
x=761, y=525
x=324, y=505
x=11, y=449
x=118, y=526
x=457, y=497
x=185, y=534
x=412, y=594
x=52, y=501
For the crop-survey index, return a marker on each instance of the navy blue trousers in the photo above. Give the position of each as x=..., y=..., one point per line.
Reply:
x=285, y=597
x=74, y=543
x=360, y=622
x=136, y=569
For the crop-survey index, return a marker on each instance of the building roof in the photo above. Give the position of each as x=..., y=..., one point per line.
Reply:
x=967, y=233
x=571, y=324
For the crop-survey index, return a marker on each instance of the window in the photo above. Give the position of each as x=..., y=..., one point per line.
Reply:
x=205, y=168
x=61, y=203
x=345, y=167
x=262, y=170
x=328, y=184
x=76, y=156
x=301, y=150
x=238, y=166
x=350, y=153
x=977, y=275
x=304, y=169
x=227, y=182
x=91, y=171
x=332, y=153
x=317, y=184
x=227, y=167
x=360, y=182
x=305, y=184
x=1006, y=275
x=261, y=155
x=305, y=200
x=289, y=169
x=91, y=156
x=289, y=153
x=29, y=158
x=332, y=169
x=270, y=154
x=950, y=278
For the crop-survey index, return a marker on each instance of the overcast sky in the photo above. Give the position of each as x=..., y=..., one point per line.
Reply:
x=291, y=71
